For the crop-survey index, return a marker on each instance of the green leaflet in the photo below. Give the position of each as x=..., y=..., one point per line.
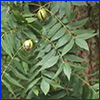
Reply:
x=64, y=20
x=32, y=68
x=55, y=6
x=44, y=31
x=11, y=22
x=23, y=57
x=20, y=19
x=49, y=74
x=34, y=27
x=86, y=36
x=82, y=43
x=58, y=95
x=94, y=95
x=45, y=86
x=67, y=47
x=32, y=84
x=62, y=41
x=51, y=82
x=50, y=24
x=74, y=58
x=18, y=44
x=8, y=86
x=40, y=54
x=68, y=11
x=95, y=73
x=30, y=94
x=59, y=34
x=77, y=24
x=12, y=80
x=5, y=47
x=29, y=34
x=82, y=31
x=78, y=66
x=94, y=80
x=49, y=63
x=34, y=75
x=10, y=40
x=96, y=86
x=36, y=91
x=73, y=15
x=58, y=72
x=47, y=48
x=18, y=74
x=25, y=67
x=54, y=29
x=26, y=7
x=79, y=3
x=62, y=9
x=18, y=65
x=67, y=70
x=30, y=20
x=86, y=92
x=69, y=17
x=47, y=57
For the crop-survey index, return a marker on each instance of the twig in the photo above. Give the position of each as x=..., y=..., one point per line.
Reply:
x=9, y=31
x=59, y=20
x=10, y=62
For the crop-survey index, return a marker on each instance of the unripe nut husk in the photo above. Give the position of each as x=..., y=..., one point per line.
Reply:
x=42, y=14
x=28, y=44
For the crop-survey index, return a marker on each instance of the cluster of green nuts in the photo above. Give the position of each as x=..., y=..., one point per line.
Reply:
x=42, y=15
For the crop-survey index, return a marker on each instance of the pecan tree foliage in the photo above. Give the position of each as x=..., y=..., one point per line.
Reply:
x=50, y=68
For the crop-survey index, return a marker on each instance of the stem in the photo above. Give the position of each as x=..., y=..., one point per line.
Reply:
x=59, y=20
x=10, y=31
x=10, y=62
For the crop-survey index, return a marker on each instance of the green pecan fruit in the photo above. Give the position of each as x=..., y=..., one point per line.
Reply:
x=28, y=44
x=42, y=14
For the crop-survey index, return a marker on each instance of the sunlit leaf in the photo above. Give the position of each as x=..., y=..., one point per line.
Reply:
x=45, y=86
